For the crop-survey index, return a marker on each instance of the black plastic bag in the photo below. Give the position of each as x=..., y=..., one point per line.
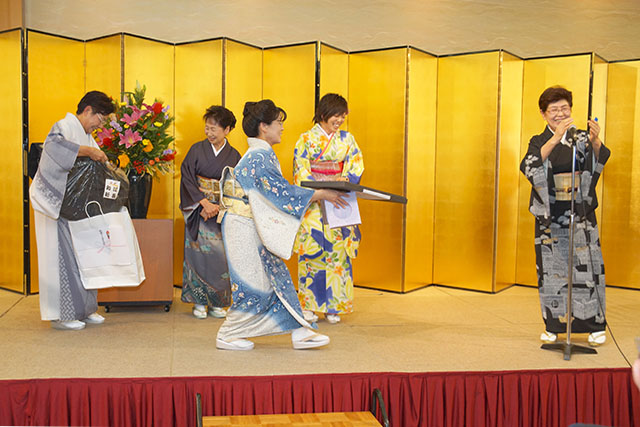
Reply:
x=89, y=181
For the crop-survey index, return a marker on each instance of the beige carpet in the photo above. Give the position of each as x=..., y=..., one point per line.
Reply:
x=433, y=329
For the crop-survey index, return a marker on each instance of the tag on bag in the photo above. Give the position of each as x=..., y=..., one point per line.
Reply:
x=111, y=189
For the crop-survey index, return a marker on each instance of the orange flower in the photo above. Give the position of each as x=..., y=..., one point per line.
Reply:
x=151, y=162
x=124, y=160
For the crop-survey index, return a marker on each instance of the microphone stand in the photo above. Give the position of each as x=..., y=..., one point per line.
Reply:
x=566, y=347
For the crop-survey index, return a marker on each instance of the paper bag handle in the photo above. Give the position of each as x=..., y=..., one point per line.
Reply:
x=87, y=205
x=99, y=207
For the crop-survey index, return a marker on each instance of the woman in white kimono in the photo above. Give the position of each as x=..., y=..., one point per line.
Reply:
x=63, y=299
x=261, y=213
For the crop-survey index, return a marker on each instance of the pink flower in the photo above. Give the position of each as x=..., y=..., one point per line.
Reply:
x=130, y=138
x=104, y=133
x=133, y=118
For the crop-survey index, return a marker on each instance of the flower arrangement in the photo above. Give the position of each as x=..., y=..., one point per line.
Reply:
x=136, y=135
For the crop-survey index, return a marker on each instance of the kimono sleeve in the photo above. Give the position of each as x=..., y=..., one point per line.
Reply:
x=590, y=179
x=277, y=206
x=353, y=162
x=301, y=161
x=49, y=184
x=534, y=170
x=190, y=193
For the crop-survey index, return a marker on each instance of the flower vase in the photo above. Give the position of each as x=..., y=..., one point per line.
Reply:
x=139, y=194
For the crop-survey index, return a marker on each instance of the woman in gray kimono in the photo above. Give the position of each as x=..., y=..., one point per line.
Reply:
x=547, y=165
x=205, y=275
x=63, y=299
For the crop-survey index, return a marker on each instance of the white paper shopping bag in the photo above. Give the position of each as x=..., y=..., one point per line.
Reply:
x=107, y=251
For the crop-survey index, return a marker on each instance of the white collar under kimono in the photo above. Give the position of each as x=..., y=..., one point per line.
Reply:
x=216, y=151
x=564, y=137
x=258, y=143
x=329, y=136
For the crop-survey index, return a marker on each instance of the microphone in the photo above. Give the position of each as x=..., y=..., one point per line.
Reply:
x=571, y=134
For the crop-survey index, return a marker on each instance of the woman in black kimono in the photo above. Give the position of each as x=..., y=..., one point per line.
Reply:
x=204, y=272
x=547, y=165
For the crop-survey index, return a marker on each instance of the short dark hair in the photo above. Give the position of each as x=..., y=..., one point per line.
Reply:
x=330, y=105
x=264, y=111
x=99, y=102
x=221, y=116
x=554, y=94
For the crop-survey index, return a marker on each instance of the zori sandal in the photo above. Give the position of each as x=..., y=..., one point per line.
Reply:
x=303, y=338
x=239, y=344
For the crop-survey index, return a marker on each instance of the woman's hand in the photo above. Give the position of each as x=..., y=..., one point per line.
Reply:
x=594, y=130
x=209, y=210
x=596, y=142
x=562, y=127
x=558, y=133
x=93, y=153
x=336, y=198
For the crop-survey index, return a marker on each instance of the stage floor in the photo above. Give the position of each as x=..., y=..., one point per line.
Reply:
x=432, y=329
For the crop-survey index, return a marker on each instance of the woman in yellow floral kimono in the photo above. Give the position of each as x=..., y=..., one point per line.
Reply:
x=326, y=153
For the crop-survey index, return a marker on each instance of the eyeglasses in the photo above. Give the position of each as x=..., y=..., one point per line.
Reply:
x=555, y=110
x=102, y=118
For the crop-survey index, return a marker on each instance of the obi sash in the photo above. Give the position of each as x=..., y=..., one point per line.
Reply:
x=232, y=197
x=562, y=182
x=326, y=170
x=210, y=188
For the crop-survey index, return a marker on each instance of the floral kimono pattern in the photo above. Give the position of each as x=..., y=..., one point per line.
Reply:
x=325, y=274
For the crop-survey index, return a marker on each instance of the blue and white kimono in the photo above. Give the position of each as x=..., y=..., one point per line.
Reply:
x=260, y=219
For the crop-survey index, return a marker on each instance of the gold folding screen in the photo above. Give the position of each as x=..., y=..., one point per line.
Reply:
x=242, y=83
x=377, y=105
x=56, y=80
x=198, y=85
x=103, y=65
x=572, y=72
x=420, y=169
x=151, y=63
x=289, y=80
x=465, y=170
x=620, y=225
x=467, y=223
x=56, y=85
x=507, y=174
x=599, y=76
x=11, y=175
x=334, y=72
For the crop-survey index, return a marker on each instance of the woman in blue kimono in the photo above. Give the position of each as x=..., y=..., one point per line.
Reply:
x=261, y=213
